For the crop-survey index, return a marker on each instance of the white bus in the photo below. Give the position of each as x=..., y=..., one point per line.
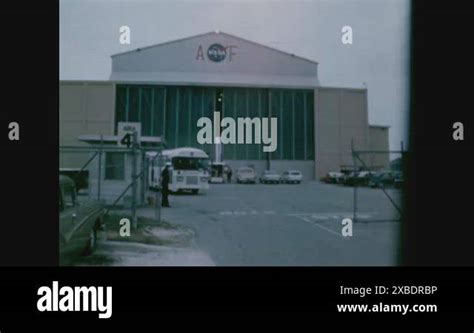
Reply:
x=188, y=169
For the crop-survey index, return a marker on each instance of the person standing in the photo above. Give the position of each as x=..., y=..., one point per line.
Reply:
x=165, y=180
x=229, y=174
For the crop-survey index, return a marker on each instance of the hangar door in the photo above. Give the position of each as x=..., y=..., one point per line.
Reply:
x=172, y=112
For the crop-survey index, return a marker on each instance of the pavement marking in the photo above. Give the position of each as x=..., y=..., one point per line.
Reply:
x=320, y=226
x=316, y=218
x=244, y=213
x=332, y=216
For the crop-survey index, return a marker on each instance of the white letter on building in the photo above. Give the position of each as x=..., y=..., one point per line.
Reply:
x=200, y=53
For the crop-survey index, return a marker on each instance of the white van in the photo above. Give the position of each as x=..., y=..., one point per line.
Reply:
x=188, y=169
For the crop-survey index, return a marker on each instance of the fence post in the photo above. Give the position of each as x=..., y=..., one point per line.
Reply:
x=100, y=167
x=134, y=181
x=144, y=168
x=157, y=206
x=354, y=161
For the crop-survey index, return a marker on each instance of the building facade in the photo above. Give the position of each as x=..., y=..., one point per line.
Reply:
x=168, y=87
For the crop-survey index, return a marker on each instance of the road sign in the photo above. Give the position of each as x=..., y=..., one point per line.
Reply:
x=125, y=133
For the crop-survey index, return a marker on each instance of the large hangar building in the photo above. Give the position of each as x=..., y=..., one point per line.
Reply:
x=169, y=86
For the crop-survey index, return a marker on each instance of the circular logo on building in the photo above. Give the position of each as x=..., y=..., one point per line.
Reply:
x=216, y=52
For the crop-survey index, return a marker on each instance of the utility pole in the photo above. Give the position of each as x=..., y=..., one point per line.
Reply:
x=158, y=194
x=99, y=178
x=354, y=162
x=134, y=180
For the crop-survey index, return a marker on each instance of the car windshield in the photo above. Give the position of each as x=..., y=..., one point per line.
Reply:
x=189, y=163
x=217, y=167
x=295, y=173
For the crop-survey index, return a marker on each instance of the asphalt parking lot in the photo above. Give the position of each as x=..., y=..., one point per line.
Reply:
x=290, y=225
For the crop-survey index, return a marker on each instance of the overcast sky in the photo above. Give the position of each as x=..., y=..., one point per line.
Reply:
x=379, y=55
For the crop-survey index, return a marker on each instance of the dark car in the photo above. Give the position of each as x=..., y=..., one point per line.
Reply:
x=78, y=223
x=382, y=179
x=333, y=178
x=360, y=178
x=399, y=180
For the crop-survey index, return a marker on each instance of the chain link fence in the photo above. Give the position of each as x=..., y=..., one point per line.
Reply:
x=120, y=177
x=382, y=170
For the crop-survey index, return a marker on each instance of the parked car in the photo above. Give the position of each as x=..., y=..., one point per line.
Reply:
x=382, y=179
x=292, y=177
x=246, y=175
x=360, y=178
x=270, y=177
x=333, y=178
x=399, y=180
x=78, y=223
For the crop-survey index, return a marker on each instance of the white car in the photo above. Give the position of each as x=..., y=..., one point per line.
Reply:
x=292, y=177
x=333, y=177
x=270, y=177
x=246, y=175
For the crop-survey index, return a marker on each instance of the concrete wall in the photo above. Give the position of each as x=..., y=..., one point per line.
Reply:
x=84, y=108
x=378, y=140
x=340, y=116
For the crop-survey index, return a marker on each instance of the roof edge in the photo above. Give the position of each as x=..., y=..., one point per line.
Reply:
x=217, y=33
x=161, y=44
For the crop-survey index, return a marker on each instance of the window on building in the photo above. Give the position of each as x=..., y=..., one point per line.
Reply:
x=114, y=166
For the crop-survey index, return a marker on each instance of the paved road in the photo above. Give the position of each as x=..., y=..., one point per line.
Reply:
x=288, y=224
